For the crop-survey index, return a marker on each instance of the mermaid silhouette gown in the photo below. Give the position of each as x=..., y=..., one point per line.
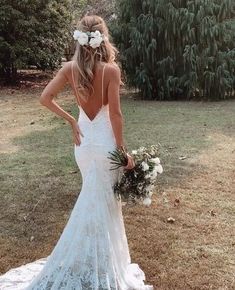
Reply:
x=92, y=252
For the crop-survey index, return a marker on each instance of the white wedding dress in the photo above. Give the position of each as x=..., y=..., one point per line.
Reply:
x=92, y=252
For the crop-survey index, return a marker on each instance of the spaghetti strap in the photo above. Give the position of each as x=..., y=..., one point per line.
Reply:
x=74, y=84
x=102, y=96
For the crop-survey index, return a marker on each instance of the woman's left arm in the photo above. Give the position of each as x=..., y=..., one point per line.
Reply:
x=51, y=91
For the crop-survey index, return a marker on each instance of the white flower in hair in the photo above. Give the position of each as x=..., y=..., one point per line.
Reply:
x=96, y=34
x=81, y=37
x=76, y=34
x=96, y=39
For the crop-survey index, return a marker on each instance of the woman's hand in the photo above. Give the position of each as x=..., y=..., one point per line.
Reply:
x=77, y=133
x=131, y=162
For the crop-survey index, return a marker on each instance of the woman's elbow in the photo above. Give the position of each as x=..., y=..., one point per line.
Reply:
x=43, y=100
x=116, y=115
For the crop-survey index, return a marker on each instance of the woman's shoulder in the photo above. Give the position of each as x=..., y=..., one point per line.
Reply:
x=66, y=66
x=112, y=70
x=112, y=67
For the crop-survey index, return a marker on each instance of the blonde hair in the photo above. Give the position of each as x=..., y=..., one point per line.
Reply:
x=87, y=57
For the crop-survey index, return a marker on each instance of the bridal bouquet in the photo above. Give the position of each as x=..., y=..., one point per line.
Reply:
x=136, y=185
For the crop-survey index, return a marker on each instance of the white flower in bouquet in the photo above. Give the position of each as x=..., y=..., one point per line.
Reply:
x=150, y=193
x=147, y=176
x=155, y=160
x=147, y=201
x=141, y=149
x=159, y=168
x=153, y=174
x=137, y=185
x=145, y=166
x=149, y=188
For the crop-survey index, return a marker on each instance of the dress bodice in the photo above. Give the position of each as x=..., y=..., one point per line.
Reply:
x=97, y=131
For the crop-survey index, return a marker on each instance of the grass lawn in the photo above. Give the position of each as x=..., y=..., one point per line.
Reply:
x=40, y=183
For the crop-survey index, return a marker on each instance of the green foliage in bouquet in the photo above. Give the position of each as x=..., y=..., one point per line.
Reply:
x=178, y=49
x=136, y=185
x=118, y=158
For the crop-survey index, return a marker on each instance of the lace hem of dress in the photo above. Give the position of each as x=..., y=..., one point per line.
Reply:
x=19, y=278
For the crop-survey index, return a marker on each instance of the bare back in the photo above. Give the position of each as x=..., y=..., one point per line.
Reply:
x=99, y=97
x=107, y=74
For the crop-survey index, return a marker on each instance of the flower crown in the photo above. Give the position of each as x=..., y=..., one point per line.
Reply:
x=92, y=39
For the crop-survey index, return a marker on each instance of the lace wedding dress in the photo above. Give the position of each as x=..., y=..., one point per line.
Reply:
x=92, y=253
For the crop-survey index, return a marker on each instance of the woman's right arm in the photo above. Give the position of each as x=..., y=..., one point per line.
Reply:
x=115, y=112
x=114, y=104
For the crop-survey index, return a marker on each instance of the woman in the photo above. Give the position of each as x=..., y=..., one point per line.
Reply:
x=92, y=252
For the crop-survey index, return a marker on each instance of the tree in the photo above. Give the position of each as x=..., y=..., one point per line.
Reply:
x=173, y=49
x=103, y=8
x=32, y=32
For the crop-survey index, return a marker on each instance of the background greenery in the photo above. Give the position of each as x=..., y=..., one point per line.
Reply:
x=32, y=33
x=172, y=49
x=169, y=49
